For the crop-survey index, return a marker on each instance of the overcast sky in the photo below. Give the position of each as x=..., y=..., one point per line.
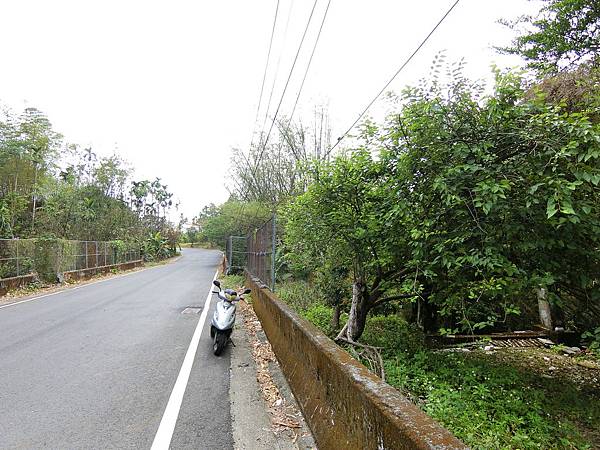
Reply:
x=173, y=86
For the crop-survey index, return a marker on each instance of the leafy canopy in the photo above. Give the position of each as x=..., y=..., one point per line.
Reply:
x=563, y=35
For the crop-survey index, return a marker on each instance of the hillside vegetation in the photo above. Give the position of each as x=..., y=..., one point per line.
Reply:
x=52, y=189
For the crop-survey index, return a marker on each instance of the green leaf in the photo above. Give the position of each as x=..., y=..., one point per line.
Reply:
x=551, y=208
x=535, y=187
x=566, y=207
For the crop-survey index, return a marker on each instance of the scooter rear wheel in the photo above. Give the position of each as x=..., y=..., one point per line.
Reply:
x=219, y=343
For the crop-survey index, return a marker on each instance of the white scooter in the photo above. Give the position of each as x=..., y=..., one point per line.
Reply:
x=223, y=319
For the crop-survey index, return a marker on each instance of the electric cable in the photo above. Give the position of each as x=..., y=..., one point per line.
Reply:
x=265, y=72
x=309, y=61
x=396, y=74
x=247, y=159
x=285, y=32
x=284, y=91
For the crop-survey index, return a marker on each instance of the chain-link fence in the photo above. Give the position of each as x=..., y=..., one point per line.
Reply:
x=261, y=253
x=79, y=255
x=49, y=257
x=16, y=257
x=236, y=249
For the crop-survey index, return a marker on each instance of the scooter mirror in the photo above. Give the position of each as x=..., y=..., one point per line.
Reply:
x=217, y=283
x=247, y=291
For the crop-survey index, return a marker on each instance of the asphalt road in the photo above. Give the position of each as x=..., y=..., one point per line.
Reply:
x=94, y=367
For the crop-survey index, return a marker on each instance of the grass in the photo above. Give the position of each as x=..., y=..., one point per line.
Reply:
x=489, y=404
x=300, y=295
x=488, y=401
x=231, y=281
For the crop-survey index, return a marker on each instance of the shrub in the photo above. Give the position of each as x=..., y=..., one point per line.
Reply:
x=393, y=334
x=594, y=340
x=320, y=316
x=299, y=294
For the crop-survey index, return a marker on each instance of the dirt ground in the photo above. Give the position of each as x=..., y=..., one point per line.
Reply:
x=582, y=369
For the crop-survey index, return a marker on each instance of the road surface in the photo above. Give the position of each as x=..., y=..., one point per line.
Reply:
x=95, y=366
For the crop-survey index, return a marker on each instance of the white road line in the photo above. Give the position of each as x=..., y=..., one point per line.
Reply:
x=164, y=434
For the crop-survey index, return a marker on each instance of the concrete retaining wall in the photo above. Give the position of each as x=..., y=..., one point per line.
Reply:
x=223, y=265
x=87, y=273
x=7, y=284
x=345, y=405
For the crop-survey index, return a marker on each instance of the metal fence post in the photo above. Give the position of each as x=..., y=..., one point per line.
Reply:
x=18, y=271
x=230, y=253
x=85, y=243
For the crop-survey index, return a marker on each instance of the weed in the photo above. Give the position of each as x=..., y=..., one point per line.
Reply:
x=492, y=405
x=558, y=348
x=299, y=294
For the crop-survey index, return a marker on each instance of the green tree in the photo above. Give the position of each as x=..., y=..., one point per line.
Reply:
x=338, y=227
x=500, y=197
x=28, y=148
x=563, y=35
x=232, y=218
x=470, y=205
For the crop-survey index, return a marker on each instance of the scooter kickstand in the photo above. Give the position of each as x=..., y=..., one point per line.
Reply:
x=231, y=342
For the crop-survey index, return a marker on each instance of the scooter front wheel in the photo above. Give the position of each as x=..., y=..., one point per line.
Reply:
x=219, y=343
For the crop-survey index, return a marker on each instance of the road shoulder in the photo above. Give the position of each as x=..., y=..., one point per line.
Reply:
x=264, y=414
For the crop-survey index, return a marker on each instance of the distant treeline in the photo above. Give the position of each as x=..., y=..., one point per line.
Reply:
x=49, y=188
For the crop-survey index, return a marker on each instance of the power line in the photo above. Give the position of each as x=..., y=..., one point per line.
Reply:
x=262, y=86
x=396, y=74
x=285, y=31
x=284, y=91
x=265, y=72
x=310, y=61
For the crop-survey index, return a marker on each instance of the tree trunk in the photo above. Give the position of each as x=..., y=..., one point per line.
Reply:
x=335, y=318
x=359, y=309
x=544, y=308
x=426, y=314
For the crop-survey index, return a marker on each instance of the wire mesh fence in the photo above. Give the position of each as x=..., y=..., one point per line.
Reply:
x=49, y=257
x=79, y=255
x=236, y=249
x=261, y=253
x=16, y=257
